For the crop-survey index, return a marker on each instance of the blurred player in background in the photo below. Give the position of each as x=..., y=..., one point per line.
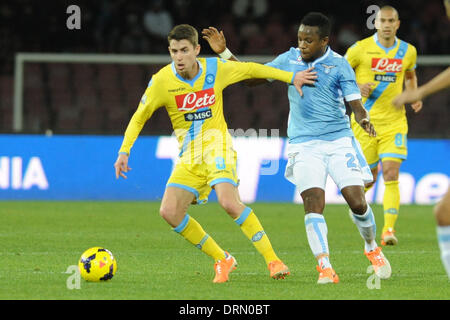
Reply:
x=442, y=209
x=321, y=141
x=383, y=63
x=191, y=91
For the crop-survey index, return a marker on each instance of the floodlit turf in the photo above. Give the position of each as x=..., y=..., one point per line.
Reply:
x=39, y=241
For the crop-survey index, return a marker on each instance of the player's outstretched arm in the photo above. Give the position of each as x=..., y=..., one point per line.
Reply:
x=121, y=165
x=440, y=82
x=218, y=44
x=362, y=116
x=411, y=84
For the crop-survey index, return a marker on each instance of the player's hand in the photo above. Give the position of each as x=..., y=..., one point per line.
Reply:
x=121, y=166
x=417, y=106
x=304, y=77
x=368, y=127
x=409, y=96
x=366, y=88
x=215, y=39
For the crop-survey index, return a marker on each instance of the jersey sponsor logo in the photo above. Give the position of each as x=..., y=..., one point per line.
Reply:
x=385, y=78
x=196, y=100
x=199, y=115
x=386, y=65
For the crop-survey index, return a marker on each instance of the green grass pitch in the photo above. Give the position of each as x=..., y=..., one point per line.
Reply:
x=39, y=241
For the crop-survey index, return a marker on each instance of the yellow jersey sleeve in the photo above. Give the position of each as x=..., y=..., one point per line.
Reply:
x=230, y=72
x=150, y=102
x=411, y=59
x=353, y=55
x=195, y=107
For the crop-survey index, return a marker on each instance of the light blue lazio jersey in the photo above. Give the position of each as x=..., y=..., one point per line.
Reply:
x=320, y=113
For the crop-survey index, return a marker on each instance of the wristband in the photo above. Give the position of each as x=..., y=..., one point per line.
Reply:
x=367, y=119
x=226, y=54
x=125, y=153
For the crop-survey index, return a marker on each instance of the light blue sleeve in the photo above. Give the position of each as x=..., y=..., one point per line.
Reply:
x=280, y=62
x=347, y=82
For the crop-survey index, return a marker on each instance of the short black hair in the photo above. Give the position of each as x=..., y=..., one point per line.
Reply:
x=184, y=32
x=317, y=19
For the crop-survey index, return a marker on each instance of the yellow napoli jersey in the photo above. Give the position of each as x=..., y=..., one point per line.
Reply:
x=386, y=68
x=195, y=107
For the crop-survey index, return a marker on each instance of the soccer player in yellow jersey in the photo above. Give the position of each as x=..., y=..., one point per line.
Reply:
x=383, y=64
x=190, y=89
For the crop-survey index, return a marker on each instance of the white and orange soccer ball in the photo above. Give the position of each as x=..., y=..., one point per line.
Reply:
x=97, y=264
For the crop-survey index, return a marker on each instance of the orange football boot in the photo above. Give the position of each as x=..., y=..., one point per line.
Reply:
x=224, y=267
x=278, y=270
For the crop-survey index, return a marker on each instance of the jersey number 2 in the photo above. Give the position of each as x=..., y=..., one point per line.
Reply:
x=351, y=161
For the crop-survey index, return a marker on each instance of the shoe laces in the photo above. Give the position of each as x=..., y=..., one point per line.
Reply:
x=218, y=264
x=377, y=257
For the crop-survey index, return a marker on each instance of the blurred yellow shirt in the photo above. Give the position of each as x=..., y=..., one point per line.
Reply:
x=195, y=107
x=386, y=68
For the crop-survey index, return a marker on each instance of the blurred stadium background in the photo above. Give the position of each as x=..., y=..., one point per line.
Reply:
x=98, y=98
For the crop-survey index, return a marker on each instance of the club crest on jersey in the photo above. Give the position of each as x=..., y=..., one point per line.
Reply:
x=196, y=100
x=209, y=78
x=386, y=65
x=327, y=68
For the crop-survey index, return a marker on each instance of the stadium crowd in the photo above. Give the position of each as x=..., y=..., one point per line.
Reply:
x=253, y=27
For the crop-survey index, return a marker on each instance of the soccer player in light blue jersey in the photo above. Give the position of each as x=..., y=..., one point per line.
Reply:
x=321, y=141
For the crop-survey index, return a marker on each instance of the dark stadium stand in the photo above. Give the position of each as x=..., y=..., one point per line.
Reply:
x=100, y=98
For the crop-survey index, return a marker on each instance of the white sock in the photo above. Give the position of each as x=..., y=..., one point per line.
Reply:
x=316, y=232
x=324, y=262
x=443, y=234
x=367, y=228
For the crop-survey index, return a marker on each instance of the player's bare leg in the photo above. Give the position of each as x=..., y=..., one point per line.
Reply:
x=316, y=232
x=173, y=209
x=228, y=197
x=174, y=205
x=442, y=214
x=391, y=201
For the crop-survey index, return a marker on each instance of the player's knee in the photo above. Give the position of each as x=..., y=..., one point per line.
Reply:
x=390, y=174
x=442, y=213
x=313, y=203
x=358, y=205
x=168, y=212
x=231, y=206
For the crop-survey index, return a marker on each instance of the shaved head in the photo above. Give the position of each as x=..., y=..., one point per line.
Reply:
x=387, y=23
x=387, y=8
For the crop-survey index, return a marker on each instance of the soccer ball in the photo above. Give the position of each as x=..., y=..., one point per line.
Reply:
x=97, y=264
